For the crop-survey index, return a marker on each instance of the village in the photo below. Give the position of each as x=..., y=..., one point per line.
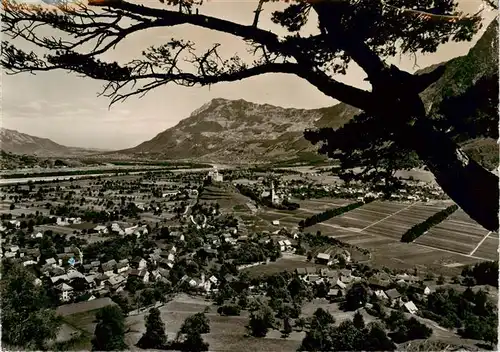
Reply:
x=140, y=241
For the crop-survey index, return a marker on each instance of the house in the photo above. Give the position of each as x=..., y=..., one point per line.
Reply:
x=314, y=279
x=154, y=258
x=323, y=258
x=349, y=279
x=276, y=222
x=311, y=270
x=422, y=289
x=345, y=273
x=334, y=294
x=91, y=281
x=28, y=261
x=109, y=267
x=130, y=230
x=62, y=222
x=65, y=291
x=205, y=285
x=156, y=274
x=116, y=228
x=377, y=283
x=73, y=274
x=38, y=235
x=100, y=280
x=139, y=263
x=407, y=278
x=16, y=223
x=213, y=280
x=394, y=296
x=411, y=307
x=50, y=261
x=341, y=284
x=301, y=271
x=141, y=231
x=101, y=229
x=10, y=254
x=122, y=267
x=142, y=274
x=329, y=274
x=381, y=294
x=34, y=253
x=282, y=245
x=116, y=282
x=170, y=194
x=61, y=277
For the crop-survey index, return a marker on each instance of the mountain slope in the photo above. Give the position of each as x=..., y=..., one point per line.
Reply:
x=15, y=142
x=237, y=131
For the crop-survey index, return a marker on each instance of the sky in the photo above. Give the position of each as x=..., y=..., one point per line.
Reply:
x=65, y=107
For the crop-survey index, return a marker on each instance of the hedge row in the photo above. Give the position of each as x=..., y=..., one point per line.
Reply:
x=328, y=214
x=419, y=229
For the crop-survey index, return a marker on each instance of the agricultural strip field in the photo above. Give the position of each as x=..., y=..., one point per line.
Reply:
x=395, y=226
x=366, y=215
x=459, y=233
x=378, y=227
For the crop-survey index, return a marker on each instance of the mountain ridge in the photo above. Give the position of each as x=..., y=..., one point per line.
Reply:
x=16, y=142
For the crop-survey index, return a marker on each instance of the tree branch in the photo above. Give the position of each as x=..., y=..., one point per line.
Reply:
x=171, y=18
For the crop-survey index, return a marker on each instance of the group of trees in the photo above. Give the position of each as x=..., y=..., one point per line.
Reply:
x=28, y=321
x=119, y=248
x=471, y=312
x=261, y=320
x=328, y=214
x=417, y=230
x=484, y=273
x=254, y=252
x=403, y=329
x=350, y=335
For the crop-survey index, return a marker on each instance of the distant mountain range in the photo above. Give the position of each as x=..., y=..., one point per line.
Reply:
x=238, y=131
x=15, y=142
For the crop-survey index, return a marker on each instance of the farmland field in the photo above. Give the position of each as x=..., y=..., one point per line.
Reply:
x=378, y=227
x=461, y=234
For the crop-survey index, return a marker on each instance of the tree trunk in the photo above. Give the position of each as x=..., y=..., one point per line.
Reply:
x=472, y=187
x=395, y=101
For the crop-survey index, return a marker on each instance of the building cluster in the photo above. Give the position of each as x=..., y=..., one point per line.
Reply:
x=214, y=175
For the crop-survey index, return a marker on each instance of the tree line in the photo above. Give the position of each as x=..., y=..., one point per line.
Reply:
x=419, y=229
x=328, y=214
x=484, y=273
